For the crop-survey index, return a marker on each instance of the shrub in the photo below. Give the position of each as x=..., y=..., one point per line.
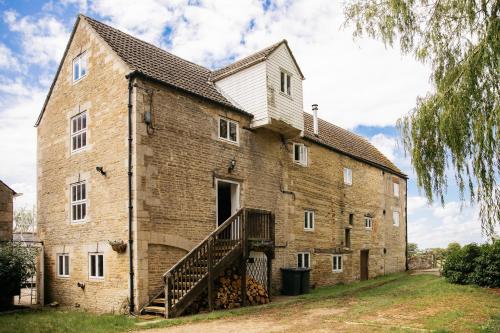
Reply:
x=460, y=263
x=487, y=271
x=473, y=264
x=17, y=264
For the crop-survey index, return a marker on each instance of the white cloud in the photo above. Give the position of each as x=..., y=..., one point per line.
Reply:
x=43, y=39
x=386, y=144
x=354, y=83
x=18, y=141
x=437, y=226
x=7, y=59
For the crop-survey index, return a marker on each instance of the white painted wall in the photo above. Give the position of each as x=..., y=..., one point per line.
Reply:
x=288, y=109
x=257, y=90
x=247, y=89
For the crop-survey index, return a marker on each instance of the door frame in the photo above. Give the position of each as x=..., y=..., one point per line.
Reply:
x=238, y=196
x=367, y=251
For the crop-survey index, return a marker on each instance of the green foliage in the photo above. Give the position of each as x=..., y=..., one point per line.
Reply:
x=17, y=264
x=487, y=270
x=458, y=122
x=412, y=249
x=474, y=264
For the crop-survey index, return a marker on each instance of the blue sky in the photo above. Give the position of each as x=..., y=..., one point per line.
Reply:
x=358, y=84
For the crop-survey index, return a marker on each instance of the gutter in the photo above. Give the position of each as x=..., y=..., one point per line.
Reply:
x=137, y=73
x=130, y=206
x=357, y=158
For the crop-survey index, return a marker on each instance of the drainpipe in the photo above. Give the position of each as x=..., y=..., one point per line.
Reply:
x=130, y=206
x=406, y=223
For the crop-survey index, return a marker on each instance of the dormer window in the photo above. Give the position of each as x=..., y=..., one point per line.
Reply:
x=286, y=84
x=80, y=67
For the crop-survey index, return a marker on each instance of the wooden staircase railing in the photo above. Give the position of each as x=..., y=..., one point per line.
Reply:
x=196, y=271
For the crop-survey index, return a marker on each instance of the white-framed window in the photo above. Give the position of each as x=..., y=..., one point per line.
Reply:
x=228, y=130
x=395, y=218
x=347, y=176
x=79, y=132
x=308, y=220
x=63, y=265
x=300, y=154
x=96, y=265
x=368, y=222
x=80, y=67
x=395, y=189
x=303, y=260
x=78, y=192
x=285, y=83
x=337, y=263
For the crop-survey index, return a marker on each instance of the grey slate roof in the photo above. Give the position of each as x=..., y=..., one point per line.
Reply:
x=159, y=65
x=250, y=61
x=347, y=143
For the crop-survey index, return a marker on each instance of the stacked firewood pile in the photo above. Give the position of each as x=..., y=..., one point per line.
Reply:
x=228, y=293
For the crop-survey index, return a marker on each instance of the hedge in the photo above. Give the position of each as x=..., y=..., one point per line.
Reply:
x=474, y=264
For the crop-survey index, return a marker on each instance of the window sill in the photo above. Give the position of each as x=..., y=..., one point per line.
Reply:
x=234, y=143
x=286, y=95
x=300, y=163
x=96, y=279
x=308, y=230
x=79, y=79
x=77, y=151
x=63, y=277
x=337, y=271
x=78, y=222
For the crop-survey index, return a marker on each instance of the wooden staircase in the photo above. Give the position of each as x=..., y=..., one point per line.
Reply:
x=227, y=245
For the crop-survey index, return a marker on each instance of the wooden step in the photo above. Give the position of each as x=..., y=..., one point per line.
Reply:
x=159, y=300
x=155, y=309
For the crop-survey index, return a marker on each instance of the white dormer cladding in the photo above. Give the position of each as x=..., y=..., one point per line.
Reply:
x=257, y=90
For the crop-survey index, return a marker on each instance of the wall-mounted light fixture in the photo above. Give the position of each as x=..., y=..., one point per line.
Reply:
x=232, y=165
x=81, y=285
x=100, y=169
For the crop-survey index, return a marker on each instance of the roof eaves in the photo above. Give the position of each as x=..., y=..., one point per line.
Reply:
x=214, y=77
x=39, y=119
x=360, y=159
x=8, y=187
x=137, y=73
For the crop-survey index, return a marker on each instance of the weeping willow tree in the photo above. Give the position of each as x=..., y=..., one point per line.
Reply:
x=456, y=126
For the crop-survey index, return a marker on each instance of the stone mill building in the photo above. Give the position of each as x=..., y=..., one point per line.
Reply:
x=155, y=173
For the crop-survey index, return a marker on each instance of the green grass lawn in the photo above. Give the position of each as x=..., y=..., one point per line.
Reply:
x=420, y=301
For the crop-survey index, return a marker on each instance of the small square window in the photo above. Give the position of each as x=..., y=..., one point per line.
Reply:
x=228, y=130
x=285, y=83
x=80, y=67
x=303, y=260
x=395, y=218
x=78, y=193
x=308, y=220
x=63, y=265
x=300, y=154
x=96, y=265
x=347, y=176
x=368, y=222
x=79, y=132
x=337, y=263
x=396, y=189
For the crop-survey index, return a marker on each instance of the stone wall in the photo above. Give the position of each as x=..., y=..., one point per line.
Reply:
x=179, y=162
x=103, y=95
x=6, y=212
x=176, y=166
